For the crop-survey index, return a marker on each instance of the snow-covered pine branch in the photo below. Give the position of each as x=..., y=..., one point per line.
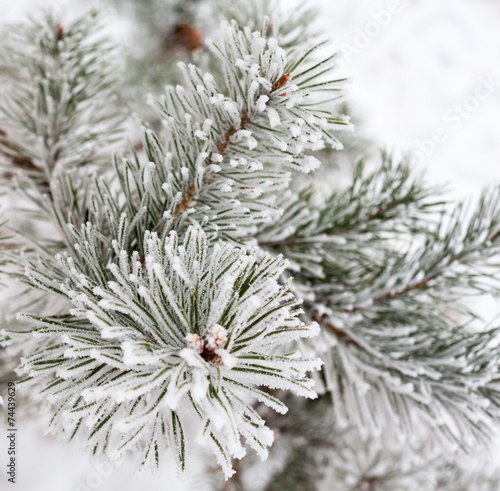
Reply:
x=384, y=269
x=312, y=453
x=229, y=149
x=57, y=112
x=188, y=327
x=150, y=315
x=59, y=122
x=58, y=105
x=244, y=134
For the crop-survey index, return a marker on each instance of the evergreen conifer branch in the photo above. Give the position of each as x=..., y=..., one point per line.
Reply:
x=239, y=143
x=160, y=291
x=191, y=327
x=59, y=108
x=56, y=113
x=411, y=323
x=382, y=265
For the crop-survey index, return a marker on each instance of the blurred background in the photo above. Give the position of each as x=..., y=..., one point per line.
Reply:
x=425, y=78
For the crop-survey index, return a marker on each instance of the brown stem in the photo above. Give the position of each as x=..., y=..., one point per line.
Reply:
x=189, y=199
x=384, y=209
x=281, y=82
x=405, y=291
x=185, y=36
x=425, y=282
x=60, y=32
x=338, y=333
x=9, y=246
x=186, y=202
x=17, y=160
x=368, y=484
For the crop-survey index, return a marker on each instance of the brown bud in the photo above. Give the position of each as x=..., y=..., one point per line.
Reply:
x=60, y=33
x=212, y=357
x=187, y=36
x=281, y=82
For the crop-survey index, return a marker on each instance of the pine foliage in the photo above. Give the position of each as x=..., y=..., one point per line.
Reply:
x=206, y=277
x=59, y=108
x=187, y=325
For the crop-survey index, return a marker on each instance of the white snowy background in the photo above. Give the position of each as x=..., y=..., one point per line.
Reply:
x=426, y=77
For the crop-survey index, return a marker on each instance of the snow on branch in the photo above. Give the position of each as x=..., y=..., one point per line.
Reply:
x=401, y=344
x=230, y=148
x=190, y=326
x=58, y=108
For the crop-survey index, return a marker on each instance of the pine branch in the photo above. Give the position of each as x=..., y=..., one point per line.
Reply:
x=143, y=308
x=187, y=201
x=245, y=120
x=193, y=325
x=223, y=151
x=384, y=296
x=57, y=107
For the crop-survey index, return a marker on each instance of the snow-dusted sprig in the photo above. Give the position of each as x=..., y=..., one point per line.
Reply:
x=228, y=148
x=401, y=347
x=187, y=326
x=58, y=117
x=384, y=268
x=313, y=453
x=477, y=474
x=57, y=107
x=57, y=112
x=224, y=152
